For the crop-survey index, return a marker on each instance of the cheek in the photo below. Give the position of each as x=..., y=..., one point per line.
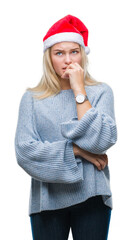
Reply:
x=56, y=64
x=78, y=59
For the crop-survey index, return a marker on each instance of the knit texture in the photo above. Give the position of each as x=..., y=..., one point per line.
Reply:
x=44, y=135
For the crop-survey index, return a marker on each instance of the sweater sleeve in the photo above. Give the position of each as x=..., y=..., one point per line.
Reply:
x=96, y=131
x=52, y=162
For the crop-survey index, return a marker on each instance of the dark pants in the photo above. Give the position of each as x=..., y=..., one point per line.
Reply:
x=88, y=220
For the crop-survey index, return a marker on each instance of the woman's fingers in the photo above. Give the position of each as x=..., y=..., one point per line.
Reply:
x=102, y=163
x=99, y=161
x=93, y=160
x=104, y=158
x=97, y=164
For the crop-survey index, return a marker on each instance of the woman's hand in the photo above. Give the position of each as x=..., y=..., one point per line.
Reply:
x=75, y=73
x=100, y=161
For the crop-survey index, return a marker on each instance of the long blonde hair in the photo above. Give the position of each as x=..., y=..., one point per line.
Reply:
x=49, y=84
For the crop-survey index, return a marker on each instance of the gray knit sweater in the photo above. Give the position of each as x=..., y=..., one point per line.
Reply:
x=43, y=145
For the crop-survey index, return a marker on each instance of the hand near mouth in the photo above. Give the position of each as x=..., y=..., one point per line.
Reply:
x=75, y=74
x=65, y=74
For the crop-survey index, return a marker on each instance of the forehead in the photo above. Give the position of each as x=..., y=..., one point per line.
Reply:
x=65, y=45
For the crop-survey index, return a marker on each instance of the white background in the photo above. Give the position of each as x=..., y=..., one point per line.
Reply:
x=23, y=25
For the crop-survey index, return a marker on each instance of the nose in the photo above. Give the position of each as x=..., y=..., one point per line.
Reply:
x=68, y=59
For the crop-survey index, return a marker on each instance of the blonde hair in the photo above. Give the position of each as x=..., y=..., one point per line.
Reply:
x=49, y=84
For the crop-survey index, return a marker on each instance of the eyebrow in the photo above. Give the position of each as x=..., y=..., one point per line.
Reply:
x=63, y=50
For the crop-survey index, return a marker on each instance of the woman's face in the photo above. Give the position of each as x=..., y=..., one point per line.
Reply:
x=63, y=54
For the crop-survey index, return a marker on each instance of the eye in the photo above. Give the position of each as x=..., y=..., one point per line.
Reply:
x=58, y=53
x=74, y=51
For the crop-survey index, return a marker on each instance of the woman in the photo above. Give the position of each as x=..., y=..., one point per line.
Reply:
x=65, y=126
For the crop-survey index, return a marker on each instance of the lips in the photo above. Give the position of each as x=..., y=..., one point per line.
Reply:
x=64, y=69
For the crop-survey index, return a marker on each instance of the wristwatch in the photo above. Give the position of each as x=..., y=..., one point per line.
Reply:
x=80, y=98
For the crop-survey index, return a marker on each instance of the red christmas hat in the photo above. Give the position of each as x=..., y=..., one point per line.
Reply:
x=69, y=29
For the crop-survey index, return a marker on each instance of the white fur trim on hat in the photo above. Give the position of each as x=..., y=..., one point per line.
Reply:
x=87, y=50
x=65, y=37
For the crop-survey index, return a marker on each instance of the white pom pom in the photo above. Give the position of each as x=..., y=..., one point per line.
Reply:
x=87, y=50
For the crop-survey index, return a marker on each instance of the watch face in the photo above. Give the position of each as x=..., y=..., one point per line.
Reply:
x=80, y=98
